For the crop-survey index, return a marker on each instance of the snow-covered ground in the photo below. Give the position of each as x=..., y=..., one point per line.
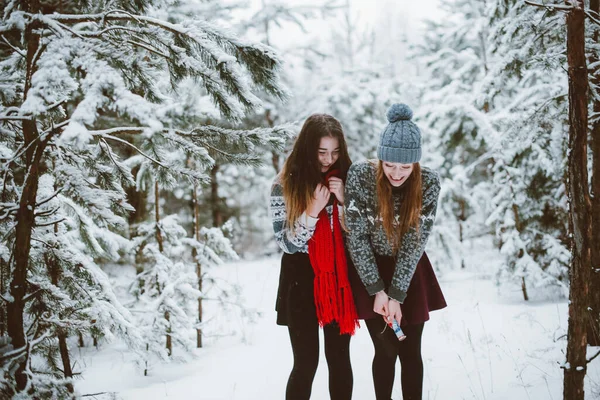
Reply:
x=488, y=344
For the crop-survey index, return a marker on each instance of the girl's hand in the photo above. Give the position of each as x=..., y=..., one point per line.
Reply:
x=394, y=311
x=336, y=186
x=380, y=305
x=319, y=201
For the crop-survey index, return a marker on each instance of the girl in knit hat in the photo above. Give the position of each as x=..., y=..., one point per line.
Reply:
x=306, y=206
x=390, y=207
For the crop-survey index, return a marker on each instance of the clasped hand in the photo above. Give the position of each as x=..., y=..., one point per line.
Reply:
x=388, y=308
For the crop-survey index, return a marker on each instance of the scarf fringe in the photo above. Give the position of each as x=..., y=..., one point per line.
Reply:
x=327, y=310
x=349, y=322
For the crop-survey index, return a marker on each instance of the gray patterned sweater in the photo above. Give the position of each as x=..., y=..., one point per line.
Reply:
x=292, y=239
x=366, y=236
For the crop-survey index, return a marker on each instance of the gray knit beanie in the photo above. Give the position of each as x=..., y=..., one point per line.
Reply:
x=400, y=141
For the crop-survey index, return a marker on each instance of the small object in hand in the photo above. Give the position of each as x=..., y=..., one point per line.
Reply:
x=397, y=330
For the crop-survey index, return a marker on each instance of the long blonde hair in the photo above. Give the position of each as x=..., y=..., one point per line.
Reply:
x=301, y=172
x=410, y=205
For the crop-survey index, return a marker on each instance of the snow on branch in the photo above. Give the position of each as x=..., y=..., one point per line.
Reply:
x=590, y=16
x=275, y=136
x=149, y=48
x=213, y=138
x=19, y=51
x=7, y=300
x=228, y=67
x=122, y=130
x=563, y=7
x=25, y=349
x=95, y=34
x=550, y=7
x=15, y=118
x=206, y=38
x=134, y=147
x=246, y=159
x=190, y=174
x=594, y=356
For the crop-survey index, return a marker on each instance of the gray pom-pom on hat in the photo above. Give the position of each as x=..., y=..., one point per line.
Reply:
x=400, y=141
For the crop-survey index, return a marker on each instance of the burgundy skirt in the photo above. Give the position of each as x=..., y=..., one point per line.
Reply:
x=423, y=296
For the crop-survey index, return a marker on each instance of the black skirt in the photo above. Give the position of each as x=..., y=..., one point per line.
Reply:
x=295, y=295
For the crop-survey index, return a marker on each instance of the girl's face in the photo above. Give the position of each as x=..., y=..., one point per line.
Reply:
x=397, y=173
x=329, y=151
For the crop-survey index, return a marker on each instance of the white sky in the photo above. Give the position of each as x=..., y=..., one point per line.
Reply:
x=398, y=17
x=374, y=11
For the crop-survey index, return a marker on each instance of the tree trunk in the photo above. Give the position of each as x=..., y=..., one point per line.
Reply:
x=217, y=217
x=54, y=270
x=159, y=240
x=594, y=325
x=169, y=342
x=580, y=205
x=4, y=273
x=270, y=122
x=64, y=355
x=524, y=289
x=146, y=361
x=275, y=158
x=18, y=287
x=196, y=214
x=26, y=213
x=519, y=228
x=138, y=200
x=461, y=221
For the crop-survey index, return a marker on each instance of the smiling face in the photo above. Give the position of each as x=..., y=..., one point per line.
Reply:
x=329, y=152
x=397, y=173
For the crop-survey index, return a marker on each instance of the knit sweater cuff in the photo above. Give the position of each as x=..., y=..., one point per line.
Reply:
x=376, y=287
x=307, y=221
x=397, y=294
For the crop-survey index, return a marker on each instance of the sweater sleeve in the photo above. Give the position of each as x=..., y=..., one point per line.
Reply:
x=359, y=245
x=413, y=243
x=289, y=240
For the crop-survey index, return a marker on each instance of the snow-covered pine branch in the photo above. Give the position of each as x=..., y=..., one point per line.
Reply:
x=70, y=76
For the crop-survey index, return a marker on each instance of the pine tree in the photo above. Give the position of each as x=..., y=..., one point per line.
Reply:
x=455, y=57
x=78, y=86
x=250, y=225
x=163, y=239
x=581, y=218
x=529, y=171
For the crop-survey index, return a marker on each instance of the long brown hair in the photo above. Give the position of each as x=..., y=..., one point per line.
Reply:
x=410, y=205
x=301, y=172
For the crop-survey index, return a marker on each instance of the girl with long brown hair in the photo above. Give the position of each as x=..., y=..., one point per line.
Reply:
x=390, y=209
x=307, y=201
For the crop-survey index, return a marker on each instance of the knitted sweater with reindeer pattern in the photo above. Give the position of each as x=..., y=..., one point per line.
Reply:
x=366, y=237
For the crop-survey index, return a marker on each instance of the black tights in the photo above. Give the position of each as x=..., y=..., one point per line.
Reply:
x=387, y=348
x=305, y=346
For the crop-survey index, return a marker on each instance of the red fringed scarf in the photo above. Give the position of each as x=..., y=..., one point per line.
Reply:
x=333, y=295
